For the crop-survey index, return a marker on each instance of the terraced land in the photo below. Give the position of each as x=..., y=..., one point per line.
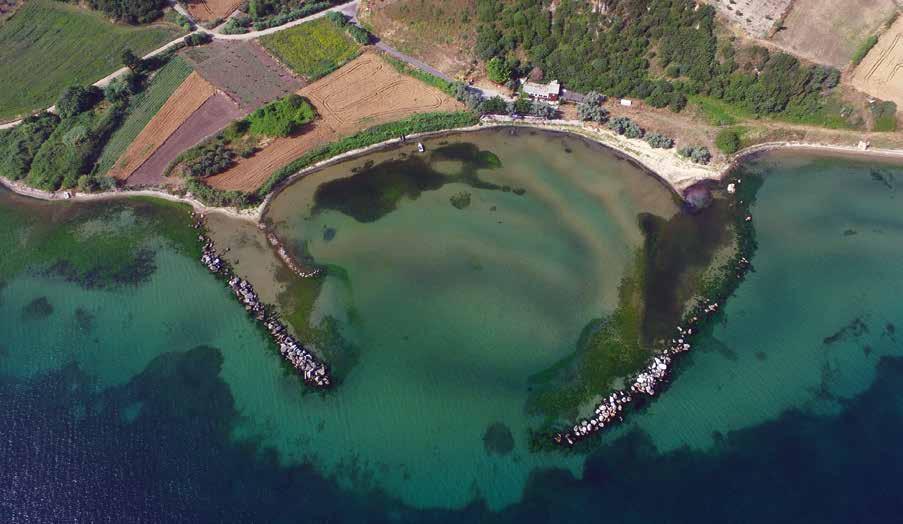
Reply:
x=312, y=50
x=142, y=109
x=49, y=45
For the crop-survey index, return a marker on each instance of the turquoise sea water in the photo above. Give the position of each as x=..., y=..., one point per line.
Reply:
x=158, y=393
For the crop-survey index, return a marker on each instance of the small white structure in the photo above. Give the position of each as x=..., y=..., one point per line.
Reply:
x=548, y=91
x=863, y=145
x=626, y=102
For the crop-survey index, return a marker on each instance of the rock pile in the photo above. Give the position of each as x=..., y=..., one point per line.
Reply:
x=315, y=373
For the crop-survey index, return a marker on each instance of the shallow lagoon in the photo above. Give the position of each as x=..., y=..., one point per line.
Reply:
x=782, y=392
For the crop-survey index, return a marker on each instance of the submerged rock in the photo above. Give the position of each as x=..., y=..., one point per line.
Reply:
x=498, y=439
x=38, y=308
x=698, y=197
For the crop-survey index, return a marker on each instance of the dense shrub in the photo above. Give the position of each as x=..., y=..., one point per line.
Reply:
x=269, y=13
x=590, y=109
x=627, y=127
x=659, y=141
x=73, y=147
x=131, y=11
x=493, y=106
x=498, y=71
x=359, y=34
x=697, y=154
x=19, y=145
x=198, y=39
x=610, y=50
x=543, y=110
x=211, y=159
x=282, y=117
x=77, y=99
x=728, y=141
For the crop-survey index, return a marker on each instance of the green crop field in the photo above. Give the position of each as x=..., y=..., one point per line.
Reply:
x=142, y=108
x=49, y=45
x=314, y=49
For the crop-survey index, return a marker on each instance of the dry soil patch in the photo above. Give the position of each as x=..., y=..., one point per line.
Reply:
x=830, y=31
x=756, y=17
x=206, y=10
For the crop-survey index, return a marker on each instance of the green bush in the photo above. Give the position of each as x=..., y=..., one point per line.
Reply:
x=498, y=71
x=864, y=49
x=728, y=141
x=627, y=127
x=282, y=117
x=359, y=34
x=76, y=99
x=212, y=158
x=72, y=149
x=659, y=141
x=19, y=145
x=697, y=154
x=198, y=39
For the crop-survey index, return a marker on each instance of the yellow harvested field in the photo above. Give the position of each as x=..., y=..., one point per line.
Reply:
x=881, y=73
x=206, y=10
x=365, y=92
x=185, y=100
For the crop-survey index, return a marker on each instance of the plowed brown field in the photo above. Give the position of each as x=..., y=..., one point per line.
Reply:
x=184, y=101
x=365, y=92
x=204, y=10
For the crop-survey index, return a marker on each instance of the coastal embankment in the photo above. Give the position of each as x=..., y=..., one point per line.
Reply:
x=665, y=164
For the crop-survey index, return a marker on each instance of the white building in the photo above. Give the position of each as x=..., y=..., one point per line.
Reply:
x=548, y=91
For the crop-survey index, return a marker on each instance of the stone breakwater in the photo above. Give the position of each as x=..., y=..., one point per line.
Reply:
x=654, y=376
x=314, y=372
x=288, y=260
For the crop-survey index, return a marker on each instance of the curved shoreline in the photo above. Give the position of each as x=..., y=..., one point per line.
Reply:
x=664, y=164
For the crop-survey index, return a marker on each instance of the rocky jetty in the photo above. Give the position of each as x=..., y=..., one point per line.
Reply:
x=314, y=372
x=654, y=376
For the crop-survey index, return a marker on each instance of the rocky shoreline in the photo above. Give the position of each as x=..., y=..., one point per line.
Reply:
x=654, y=376
x=314, y=372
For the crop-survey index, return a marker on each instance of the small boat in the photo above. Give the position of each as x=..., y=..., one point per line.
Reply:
x=420, y=147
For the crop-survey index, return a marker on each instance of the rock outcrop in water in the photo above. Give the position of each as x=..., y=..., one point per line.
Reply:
x=315, y=373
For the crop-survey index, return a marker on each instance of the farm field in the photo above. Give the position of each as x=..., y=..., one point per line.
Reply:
x=213, y=115
x=312, y=50
x=881, y=72
x=451, y=24
x=244, y=71
x=185, y=100
x=206, y=10
x=142, y=108
x=829, y=31
x=756, y=17
x=46, y=46
x=364, y=93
